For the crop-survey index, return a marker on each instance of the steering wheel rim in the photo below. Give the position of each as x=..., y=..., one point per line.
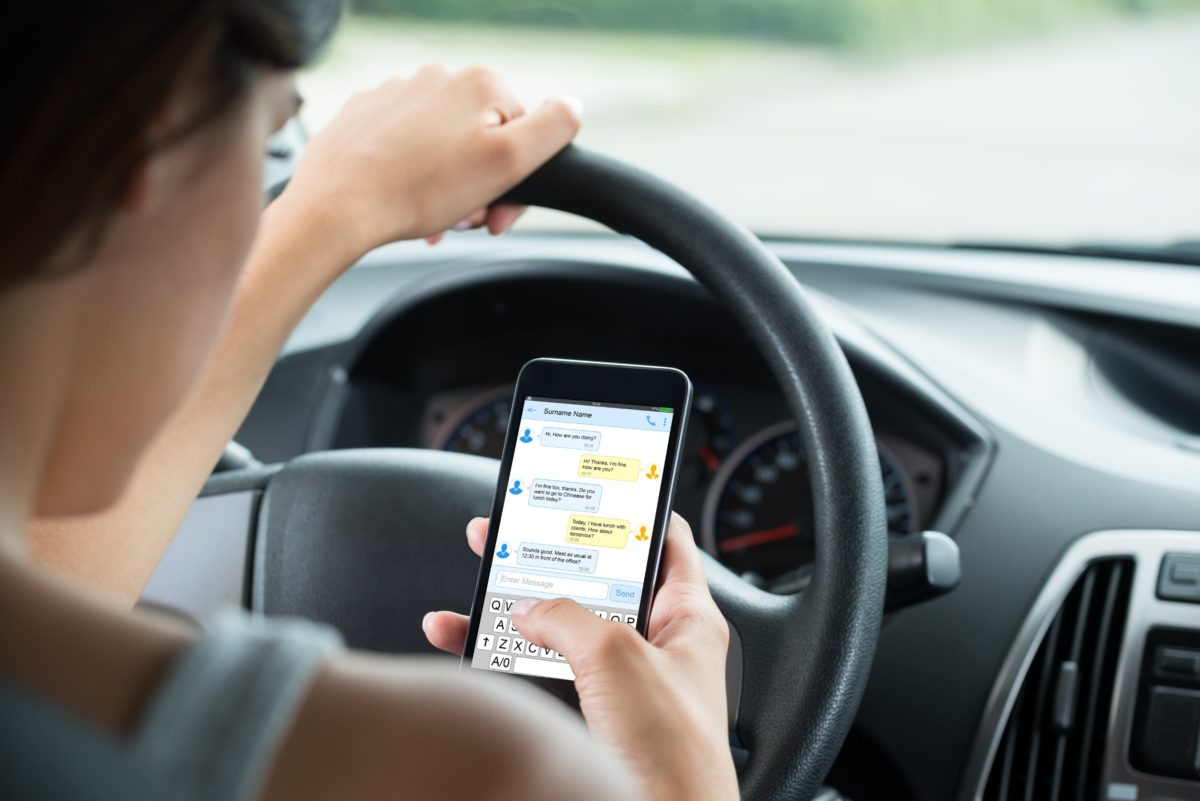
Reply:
x=829, y=633
x=805, y=658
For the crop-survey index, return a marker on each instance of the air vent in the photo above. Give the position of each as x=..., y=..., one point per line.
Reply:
x=1054, y=740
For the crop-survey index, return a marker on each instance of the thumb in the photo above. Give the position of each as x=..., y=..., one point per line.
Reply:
x=564, y=626
x=535, y=137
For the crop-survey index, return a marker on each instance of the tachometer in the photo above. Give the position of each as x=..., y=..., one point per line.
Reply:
x=482, y=429
x=758, y=516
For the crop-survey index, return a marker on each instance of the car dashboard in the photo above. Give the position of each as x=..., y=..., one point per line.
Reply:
x=1038, y=409
x=742, y=464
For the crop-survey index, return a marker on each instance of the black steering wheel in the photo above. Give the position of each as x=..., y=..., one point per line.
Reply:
x=369, y=540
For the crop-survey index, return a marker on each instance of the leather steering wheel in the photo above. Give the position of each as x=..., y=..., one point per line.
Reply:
x=369, y=540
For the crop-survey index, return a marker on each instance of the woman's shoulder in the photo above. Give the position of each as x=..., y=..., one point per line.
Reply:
x=158, y=712
x=218, y=718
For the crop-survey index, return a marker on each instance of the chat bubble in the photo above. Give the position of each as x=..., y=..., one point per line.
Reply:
x=570, y=495
x=605, y=532
x=615, y=468
x=557, y=557
x=576, y=438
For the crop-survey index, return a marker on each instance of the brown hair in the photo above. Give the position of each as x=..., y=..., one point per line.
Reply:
x=82, y=82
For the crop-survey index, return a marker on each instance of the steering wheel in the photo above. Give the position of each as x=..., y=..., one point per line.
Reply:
x=369, y=540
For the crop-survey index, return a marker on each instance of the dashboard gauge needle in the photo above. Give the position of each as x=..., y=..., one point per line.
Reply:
x=710, y=459
x=752, y=538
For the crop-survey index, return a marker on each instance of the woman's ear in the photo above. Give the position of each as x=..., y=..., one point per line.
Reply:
x=137, y=195
x=159, y=144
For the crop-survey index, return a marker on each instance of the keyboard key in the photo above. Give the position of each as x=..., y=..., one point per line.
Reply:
x=518, y=646
x=631, y=620
x=496, y=605
x=536, y=667
x=615, y=617
x=499, y=662
x=502, y=643
x=508, y=602
x=485, y=642
x=500, y=624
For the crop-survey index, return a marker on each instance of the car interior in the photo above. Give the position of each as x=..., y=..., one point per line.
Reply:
x=1030, y=444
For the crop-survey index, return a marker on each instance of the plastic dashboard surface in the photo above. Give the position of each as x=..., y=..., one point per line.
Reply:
x=1008, y=338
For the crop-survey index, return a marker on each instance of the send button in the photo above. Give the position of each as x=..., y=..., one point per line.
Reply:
x=626, y=593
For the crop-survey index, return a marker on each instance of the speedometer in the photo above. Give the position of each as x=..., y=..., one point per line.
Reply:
x=758, y=517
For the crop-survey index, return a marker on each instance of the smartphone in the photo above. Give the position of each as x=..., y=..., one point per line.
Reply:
x=586, y=484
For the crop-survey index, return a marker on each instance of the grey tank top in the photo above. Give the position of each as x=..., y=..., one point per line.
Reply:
x=211, y=730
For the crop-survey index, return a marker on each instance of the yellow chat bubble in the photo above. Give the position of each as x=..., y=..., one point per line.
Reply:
x=605, y=532
x=616, y=468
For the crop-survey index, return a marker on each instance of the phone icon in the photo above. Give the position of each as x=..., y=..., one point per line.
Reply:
x=651, y=422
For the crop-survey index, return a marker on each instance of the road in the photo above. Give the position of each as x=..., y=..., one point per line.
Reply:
x=1090, y=134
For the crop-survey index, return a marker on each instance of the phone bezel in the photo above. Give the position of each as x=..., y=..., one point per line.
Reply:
x=595, y=382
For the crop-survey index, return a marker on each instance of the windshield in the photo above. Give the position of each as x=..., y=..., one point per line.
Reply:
x=1043, y=122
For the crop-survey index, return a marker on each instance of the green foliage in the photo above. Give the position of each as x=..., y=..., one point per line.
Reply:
x=886, y=24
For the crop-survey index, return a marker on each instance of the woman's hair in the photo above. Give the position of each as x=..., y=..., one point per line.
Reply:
x=82, y=83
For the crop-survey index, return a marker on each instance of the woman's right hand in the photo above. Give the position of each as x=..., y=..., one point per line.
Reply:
x=660, y=702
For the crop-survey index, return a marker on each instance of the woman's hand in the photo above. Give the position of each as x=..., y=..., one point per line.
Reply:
x=659, y=701
x=416, y=156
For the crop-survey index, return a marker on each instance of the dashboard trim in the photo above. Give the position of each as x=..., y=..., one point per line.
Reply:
x=1146, y=548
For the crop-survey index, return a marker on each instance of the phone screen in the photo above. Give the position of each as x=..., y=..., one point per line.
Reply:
x=577, y=522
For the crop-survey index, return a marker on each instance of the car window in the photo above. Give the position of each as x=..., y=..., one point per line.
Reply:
x=1049, y=122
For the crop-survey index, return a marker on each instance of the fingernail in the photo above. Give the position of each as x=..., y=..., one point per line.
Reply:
x=524, y=605
x=425, y=621
x=462, y=225
x=575, y=103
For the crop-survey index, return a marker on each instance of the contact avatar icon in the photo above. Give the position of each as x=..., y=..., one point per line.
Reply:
x=503, y=553
x=526, y=437
x=515, y=489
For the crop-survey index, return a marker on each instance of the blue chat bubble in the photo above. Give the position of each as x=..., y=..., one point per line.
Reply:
x=557, y=557
x=575, y=438
x=573, y=496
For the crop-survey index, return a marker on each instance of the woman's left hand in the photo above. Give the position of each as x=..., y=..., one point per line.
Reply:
x=417, y=156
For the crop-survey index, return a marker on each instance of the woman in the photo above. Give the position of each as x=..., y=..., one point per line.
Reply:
x=143, y=298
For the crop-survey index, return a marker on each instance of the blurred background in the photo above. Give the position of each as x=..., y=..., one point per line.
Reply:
x=1050, y=122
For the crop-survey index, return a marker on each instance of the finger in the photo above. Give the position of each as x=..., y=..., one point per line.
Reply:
x=475, y=219
x=433, y=240
x=477, y=530
x=565, y=626
x=502, y=216
x=446, y=631
x=432, y=71
x=530, y=140
x=504, y=110
x=681, y=558
x=502, y=105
